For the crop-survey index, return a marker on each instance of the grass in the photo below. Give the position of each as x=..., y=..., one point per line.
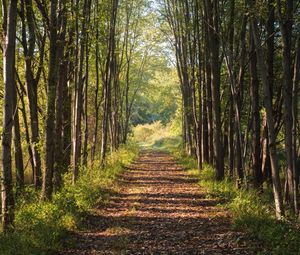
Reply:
x=251, y=212
x=41, y=227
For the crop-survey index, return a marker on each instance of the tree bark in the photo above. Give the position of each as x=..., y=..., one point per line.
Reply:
x=77, y=139
x=285, y=24
x=17, y=144
x=51, y=98
x=296, y=78
x=213, y=30
x=254, y=91
x=9, y=46
x=59, y=167
x=31, y=84
x=270, y=121
x=108, y=80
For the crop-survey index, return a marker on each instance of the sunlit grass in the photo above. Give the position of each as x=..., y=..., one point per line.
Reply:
x=251, y=211
x=41, y=227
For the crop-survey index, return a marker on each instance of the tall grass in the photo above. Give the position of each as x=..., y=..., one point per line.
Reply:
x=251, y=211
x=41, y=227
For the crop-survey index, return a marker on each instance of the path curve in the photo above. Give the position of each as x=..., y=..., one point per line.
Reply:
x=160, y=209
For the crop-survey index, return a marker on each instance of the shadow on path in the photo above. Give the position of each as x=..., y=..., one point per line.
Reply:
x=159, y=210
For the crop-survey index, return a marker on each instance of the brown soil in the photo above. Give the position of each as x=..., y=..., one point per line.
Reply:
x=160, y=209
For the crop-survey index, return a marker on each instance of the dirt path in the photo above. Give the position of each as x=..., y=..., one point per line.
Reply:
x=159, y=210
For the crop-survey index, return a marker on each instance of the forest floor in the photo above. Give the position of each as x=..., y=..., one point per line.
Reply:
x=159, y=209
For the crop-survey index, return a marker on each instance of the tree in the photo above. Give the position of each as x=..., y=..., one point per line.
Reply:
x=51, y=98
x=270, y=120
x=212, y=15
x=286, y=24
x=9, y=46
x=28, y=20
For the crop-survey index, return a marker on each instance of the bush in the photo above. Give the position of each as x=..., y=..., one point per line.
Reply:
x=40, y=227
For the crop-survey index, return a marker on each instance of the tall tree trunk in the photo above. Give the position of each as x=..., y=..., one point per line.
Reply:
x=266, y=163
x=85, y=115
x=254, y=91
x=59, y=167
x=285, y=24
x=209, y=110
x=31, y=84
x=51, y=98
x=296, y=79
x=9, y=46
x=17, y=144
x=68, y=67
x=213, y=30
x=77, y=139
x=26, y=127
x=270, y=121
x=236, y=89
x=86, y=127
x=96, y=103
x=108, y=80
x=205, y=146
x=231, y=155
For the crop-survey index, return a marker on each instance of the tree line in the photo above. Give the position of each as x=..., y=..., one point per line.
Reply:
x=68, y=92
x=238, y=64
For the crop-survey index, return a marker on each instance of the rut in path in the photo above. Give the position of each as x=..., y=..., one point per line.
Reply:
x=160, y=209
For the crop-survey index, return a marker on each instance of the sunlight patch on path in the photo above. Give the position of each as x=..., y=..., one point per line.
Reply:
x=160, y=209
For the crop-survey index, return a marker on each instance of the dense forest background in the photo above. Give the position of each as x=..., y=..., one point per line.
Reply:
x=80, y=77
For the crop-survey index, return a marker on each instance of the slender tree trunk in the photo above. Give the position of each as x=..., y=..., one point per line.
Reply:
x=213, y=21
x=231, y=155
x=266, y=163
x=296, y=79
x=86, y=127
x=254, y=91
x=59, y=167
x=285, y=24
x=27, y=136
x=31, y=84
x=96, y=103
x=205, y=146
x=107, y=81
x=51, y=98
x=67, y=96
x=210, y=113
x=270, y=121
x=85, y=116
x=9, y=46
x=77, y=139
x=17, y=144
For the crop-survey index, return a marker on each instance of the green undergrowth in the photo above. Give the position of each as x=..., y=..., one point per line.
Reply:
x=43, y=227
x=251, y=212
x=157, y=136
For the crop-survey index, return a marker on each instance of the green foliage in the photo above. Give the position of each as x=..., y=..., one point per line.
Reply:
x=158, y=136
x=41, y=227
x=159, y=98
x=251, y=212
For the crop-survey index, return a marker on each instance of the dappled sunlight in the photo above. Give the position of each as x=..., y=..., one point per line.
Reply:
x=159, y=209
